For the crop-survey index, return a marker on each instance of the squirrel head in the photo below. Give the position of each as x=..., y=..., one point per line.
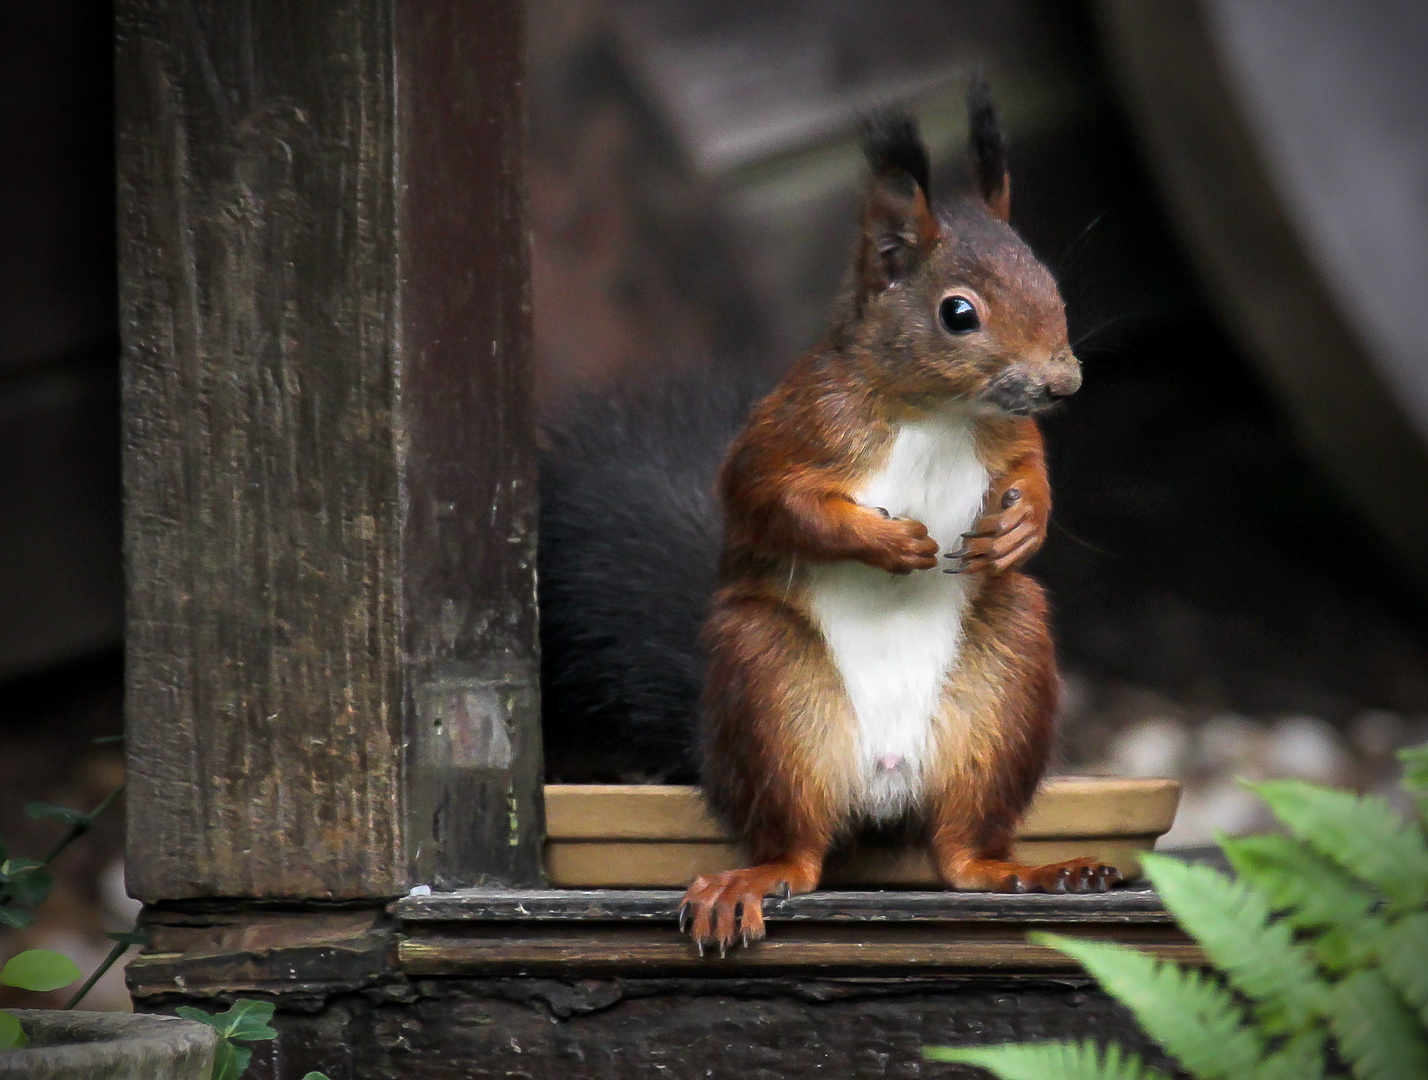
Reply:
x=951, y=304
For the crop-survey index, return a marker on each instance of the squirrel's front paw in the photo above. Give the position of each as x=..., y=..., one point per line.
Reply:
x=902, y=546
x=1001, y=540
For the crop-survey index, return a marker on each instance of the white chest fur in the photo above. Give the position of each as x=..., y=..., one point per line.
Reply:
x=895, y=638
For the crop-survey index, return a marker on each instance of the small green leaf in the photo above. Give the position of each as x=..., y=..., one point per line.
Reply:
x=30, y=887
x=1362, y=833
x=249, y=1020
x=1044, y=1061
x=12, y=1035
x=40, y=970
x=49, y=811
x=315, y=1075
x=1378, y=1034
x=19, y=865
x=16, y=918
x=230, y=1060
x=137, y=936
x=1231, y=922
x=1197, y=1021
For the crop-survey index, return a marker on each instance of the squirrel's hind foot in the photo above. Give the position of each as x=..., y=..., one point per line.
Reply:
x=1084, y=875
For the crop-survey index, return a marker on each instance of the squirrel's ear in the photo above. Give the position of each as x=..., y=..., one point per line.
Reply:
x=989, y=148
x=899, y=227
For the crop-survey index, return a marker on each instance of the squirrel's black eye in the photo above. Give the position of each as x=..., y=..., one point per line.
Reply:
x=958, y=315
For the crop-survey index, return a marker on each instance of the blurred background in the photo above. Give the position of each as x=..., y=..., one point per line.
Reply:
x=1233, y=195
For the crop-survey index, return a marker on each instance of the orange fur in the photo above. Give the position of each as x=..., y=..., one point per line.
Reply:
x=779, y=726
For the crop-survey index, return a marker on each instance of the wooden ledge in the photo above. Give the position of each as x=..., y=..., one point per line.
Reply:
x=633, y=932
x=1118, y=906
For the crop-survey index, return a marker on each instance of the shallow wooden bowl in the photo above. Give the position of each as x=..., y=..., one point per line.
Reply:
x=661, y=836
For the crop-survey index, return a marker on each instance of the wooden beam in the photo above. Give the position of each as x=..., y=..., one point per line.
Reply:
x=332, y=676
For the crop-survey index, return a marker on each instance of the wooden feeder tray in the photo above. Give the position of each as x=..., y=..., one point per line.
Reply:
x=661, y=836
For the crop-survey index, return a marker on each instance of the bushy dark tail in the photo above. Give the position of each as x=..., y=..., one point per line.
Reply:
x=629, y=544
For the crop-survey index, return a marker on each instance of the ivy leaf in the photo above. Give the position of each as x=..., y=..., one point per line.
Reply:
x=12, y=1035
x=1403, y=952
x=1362, y=833
x=1038, y=1061
x=63, y=814
x=250, y=1020
x=137, y=936
x=16, y=918
x=1197, y=1021
x=1377, y=1032
x=230, y=1060
x=1231, y=922
x=40, y=970
x=246, y=1021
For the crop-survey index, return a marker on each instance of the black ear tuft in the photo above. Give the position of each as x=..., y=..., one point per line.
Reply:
x=989, y=145
x=892, y=143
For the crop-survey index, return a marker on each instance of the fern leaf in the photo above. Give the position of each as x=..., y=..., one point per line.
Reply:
x=1403, y=951
x=1362, y=833
x=1302, y=1058
x=1378, y=1034
x=1311, y=889
x=1231, y=922
x=1197, y=1021
x=1040, y=1061
x=1415, y=775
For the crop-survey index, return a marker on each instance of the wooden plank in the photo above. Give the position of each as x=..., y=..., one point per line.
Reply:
x=331, y=668
x=985, y=948
x=621, y=864
x=872, y=908
x=1065, y=807
x=298, y=954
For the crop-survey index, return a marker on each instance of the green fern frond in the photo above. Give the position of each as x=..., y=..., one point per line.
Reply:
x=1403, y=951
x=1197, y=1021
x=1415, y=775
x=1378, y=1034
x=1231, y=922
x=1302, y=1058
x=1043, y=1061
x=1362, y=833
x=1311, y=889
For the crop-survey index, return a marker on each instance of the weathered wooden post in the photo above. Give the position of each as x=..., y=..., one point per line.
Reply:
x=332, y=679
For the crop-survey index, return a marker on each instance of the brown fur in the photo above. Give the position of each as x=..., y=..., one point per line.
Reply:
x=778, y=724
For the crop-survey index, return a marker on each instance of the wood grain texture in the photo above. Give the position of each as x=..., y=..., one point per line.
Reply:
x=331, y=669
x=1064, y=807
x=643, y=905
x=612, y=950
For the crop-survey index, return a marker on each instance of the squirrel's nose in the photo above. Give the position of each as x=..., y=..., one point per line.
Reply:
x=1064, y=379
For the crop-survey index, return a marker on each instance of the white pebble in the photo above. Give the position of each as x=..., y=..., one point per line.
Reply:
x=1377, y=733
x=1156, y=746
x=1309, y=749
x=1232, y=743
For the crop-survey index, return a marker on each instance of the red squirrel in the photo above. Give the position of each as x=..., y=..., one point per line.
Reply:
x=872, y=653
